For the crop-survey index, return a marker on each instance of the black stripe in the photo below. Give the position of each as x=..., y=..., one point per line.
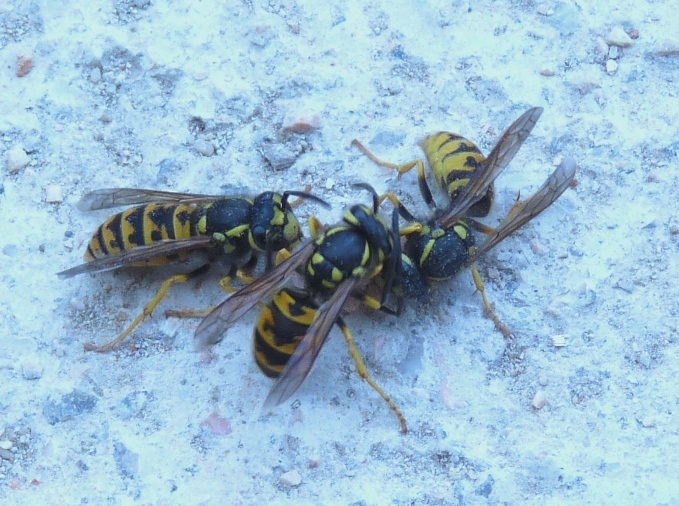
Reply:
x=135, y=217
x=115, y=227
x=451, y=138
x=163, y=218
x=100, y=238
x=274, y=357
x=464, y=148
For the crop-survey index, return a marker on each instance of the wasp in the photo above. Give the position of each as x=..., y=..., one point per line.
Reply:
x=168, y=227
x=337, y=264
x=445, y=245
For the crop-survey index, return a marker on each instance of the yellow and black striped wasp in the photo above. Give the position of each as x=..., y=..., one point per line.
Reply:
x=337, y=264
x=168, y=227
x=285, y=321
x=443, y=246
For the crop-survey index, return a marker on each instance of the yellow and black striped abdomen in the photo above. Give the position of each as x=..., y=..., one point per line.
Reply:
x=280, y=326
x=453, y=160
x=141, y=226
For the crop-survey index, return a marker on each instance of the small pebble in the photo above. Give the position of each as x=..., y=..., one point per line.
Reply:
x=613, y=52
x=536, y=247
x=544, y=381
x=329, y=183
x=602, y=48
x=645, y=359
x=546, y=71
x=204, y=147
x=24, y=65
x=543, y=10
x=648, y=422
x=31, y=370
x=60, y=409
x=668, y=48
x=611, y=66
x=218, y=425
x=10, y=250
x=291, y=478
x=559, y=341
x=16, y=159
x=625, y=285
x=5, y=445
x=301, y=124
x=95, y=75
x=618, y=37
x=53, y=194
x=77, y=304
x=539, y=400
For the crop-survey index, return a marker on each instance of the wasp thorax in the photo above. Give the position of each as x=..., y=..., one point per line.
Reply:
x=228, y=221
x=440, y=253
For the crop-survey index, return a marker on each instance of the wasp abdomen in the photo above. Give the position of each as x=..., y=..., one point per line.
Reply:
x=140, y=226
x=280, y=327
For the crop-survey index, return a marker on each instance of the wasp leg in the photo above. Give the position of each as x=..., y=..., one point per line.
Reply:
x=148, y=309
x=488, y=306
x=363, y=373
x=395, y=201
x=242, y=274
x=480, y=227
x=402, y=169
x=224, y=284
x=315, y=227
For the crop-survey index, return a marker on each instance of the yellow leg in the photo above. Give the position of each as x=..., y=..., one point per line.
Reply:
x=224, y=284
x=188, y=313
x=402, y=168
x=315, y=227
x=363, y=372
x=484, y=229
x=148, y=309
x=489, y=308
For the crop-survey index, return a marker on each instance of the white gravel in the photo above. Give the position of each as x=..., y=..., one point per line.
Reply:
x=247, y=96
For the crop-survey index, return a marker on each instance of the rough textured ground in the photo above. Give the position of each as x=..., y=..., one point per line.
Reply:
x=200, y=96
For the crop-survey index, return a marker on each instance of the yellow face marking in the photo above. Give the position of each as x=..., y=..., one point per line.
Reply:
x=278, y=217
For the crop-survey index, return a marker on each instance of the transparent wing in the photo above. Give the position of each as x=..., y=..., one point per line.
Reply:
x=301, y=362
x=497, y=160
x=117, y=197
x=214, y=325
x=140, y=254
x=523, y=212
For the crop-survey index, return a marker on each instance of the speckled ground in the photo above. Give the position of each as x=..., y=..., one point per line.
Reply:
x=201, y=97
